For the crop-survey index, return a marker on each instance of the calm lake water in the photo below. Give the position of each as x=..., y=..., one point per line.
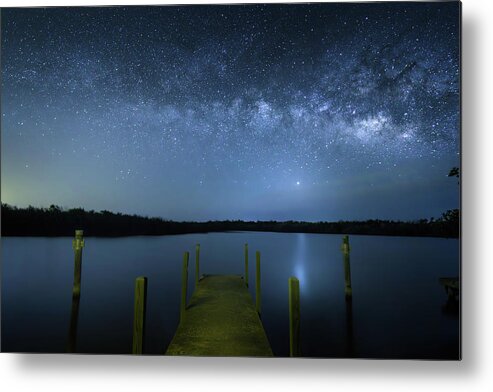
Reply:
x=399, y=310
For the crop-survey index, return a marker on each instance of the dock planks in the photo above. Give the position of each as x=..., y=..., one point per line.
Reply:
x=221, y=320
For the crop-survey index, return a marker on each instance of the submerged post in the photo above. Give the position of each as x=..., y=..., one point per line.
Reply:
x=246, y=265
x=294, y=317
x=139, y=314
x=347, y=268
x=197, y=257
x=184, y=284
x=77, y=245
x=257, y=285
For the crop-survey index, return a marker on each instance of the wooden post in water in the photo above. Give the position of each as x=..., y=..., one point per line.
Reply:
x=294, y=317
x=139, y=315
x=184, y=284
x=77, y=245
x=197, y=271
x=257, y=285
x=246, y=265
x=347, y=268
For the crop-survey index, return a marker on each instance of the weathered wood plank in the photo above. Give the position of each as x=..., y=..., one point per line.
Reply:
x=221, y=320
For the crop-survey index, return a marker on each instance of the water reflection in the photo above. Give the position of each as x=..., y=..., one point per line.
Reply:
x=410, y=323
x=74, y=320
x=299, y=256
x=451, y=308
x=349, y=328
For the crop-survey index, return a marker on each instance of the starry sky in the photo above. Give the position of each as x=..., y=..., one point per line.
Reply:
x=305, y=112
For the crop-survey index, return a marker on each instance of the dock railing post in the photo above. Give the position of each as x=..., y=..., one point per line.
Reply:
x=347, y=268
x=197, y=271
x=294, y=317
x=77, y=245
x=258, y=297
x=184, y=284
x=246, y=265
x=139, y=315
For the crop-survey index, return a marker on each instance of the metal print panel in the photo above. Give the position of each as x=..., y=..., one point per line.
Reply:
x=232, y=180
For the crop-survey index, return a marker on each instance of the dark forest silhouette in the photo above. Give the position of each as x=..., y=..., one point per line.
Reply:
x=55, y=221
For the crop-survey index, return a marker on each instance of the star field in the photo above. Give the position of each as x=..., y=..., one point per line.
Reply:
x=309, y=112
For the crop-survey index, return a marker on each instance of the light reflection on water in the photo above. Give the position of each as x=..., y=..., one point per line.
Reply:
x=299, y=266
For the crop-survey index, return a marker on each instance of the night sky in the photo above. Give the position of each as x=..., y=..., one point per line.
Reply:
x=256, y=112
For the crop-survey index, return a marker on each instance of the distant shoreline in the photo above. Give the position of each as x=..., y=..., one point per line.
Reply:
x=55, y=222
x=227, y=231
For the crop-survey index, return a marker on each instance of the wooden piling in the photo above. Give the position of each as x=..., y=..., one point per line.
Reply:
x=347, y=268
x=294, y=317
x=197, y=270
x=77, y=245
x=258, y=298
x=184, y=284
x=139, y=315
x=246, y=265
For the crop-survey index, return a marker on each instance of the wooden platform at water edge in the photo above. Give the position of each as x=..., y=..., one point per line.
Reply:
x=452, y=287
x=220, y=320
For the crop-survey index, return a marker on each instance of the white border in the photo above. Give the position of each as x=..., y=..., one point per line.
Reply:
x=19, y=372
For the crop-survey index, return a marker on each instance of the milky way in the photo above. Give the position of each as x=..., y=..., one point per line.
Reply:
x=309, y=112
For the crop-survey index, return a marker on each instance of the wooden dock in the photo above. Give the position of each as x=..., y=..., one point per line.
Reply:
x=221, y=320
x=451, y=286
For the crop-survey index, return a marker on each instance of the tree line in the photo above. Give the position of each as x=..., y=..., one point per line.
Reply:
x=55, y=221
